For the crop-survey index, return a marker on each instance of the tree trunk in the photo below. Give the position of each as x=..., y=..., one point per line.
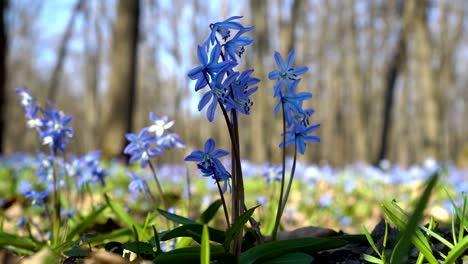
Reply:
x=258, y=142
x=121, y=94
x=3, y=69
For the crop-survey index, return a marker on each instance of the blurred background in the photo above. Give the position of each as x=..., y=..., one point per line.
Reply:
x=388, y=76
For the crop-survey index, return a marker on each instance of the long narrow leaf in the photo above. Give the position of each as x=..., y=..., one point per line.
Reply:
x=176, y=218
x=210, y=212
x=275, y=249
x=85, y=223
x=403, y=246
x=238, y=226
x=205, y=246
x=457, y=251
x=126, y=218
x=194, y=231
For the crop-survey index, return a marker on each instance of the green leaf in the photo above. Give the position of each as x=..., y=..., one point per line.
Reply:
x=210, y=212
x=410, y=231
x=309, y=245
x=372, y=259
x=126, y=218
x=19, y=242
x=457, y=251
x=142, y=249
x=77, y=252
x=238, y=226
x=115, y=234
x=371, y=240
x=194, y=231
x=205, y=246
x=292, y=258
x=155, y=241
x=176, y=218
x=191, y=255
x=85, y=223
x=114, y=247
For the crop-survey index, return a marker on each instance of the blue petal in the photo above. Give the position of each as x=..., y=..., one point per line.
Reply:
x=209, y=145
x=290, y=59
x=219, y=153
x=205, y=99
x=197, y=155
x=202, y=55
x=279, y=61
x=211, y=110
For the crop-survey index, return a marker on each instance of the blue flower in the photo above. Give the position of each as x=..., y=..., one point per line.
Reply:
x=298, y=135
x=292, y=104
x=286, y=74
x=223, y=28
x=211, y=68
x=87, y=169
x=272, y=173
x=239, y=96
x=169, y=141
x=159, y=124
x=28, y=102
x=137, y=185
x=235, y=46
x=208, y=162
x=38, y=198
x=141, y=147
x=218, y=92
x=55, y=132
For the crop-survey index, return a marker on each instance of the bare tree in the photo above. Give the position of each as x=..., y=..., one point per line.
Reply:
x=119, y=105
x=3, y=70
x=62, y=52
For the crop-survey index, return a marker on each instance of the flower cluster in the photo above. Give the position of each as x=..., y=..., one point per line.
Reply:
x=151, y=141
x=87, y=169
x=209, y=164
x=227, y=87
x=52, y=126
x=296, y=117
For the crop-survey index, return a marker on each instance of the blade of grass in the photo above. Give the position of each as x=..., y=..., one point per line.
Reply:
x=403, y=246
x=205, y=246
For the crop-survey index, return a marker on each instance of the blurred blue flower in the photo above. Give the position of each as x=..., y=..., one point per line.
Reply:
x=37, y=198
x=137, y=184
x=208, y=162
x=298, y=135
x=286, y=74
x=169, y=141
x=28, y=102
x=325, y=200
x=272, y=173
x=261, y=200
x=87, y=169
x=55, y=132
x=141, y=147
x=159, y=124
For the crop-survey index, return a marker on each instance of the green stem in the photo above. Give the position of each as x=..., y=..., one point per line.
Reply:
x=158, y=185
x=226, y=214
x=288, y=189
x=280, y=202
x=56, y=204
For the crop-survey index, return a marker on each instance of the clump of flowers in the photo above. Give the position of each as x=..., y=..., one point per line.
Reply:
x=230, y=90
x=53, y=172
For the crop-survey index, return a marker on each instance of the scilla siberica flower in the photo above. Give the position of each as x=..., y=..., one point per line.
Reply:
x=141, y=147
x=209, y=164
x=286, y=74
x=227, y=86
x=146, y=145
x=296, y=117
